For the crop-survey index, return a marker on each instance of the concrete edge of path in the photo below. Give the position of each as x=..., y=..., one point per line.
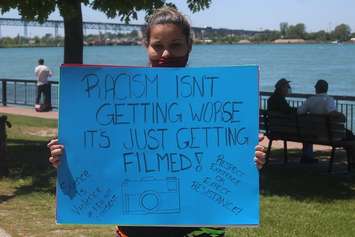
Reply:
x=28, y=111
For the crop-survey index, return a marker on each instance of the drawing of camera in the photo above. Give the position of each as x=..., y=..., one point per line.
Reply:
x=151, y=196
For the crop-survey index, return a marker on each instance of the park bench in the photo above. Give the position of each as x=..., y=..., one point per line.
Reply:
x=3, y=124
x=305, y=128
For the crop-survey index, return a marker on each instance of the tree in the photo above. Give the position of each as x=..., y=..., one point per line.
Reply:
x=296, y=31
x=266, y=36
x=70, y=10
x=283, y=29
x=342, y=32
x=319, y=36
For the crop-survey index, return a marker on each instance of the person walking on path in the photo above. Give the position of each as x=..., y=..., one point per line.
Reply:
x=42, y=73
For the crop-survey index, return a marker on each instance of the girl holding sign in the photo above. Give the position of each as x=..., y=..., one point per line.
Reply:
x=168, y=43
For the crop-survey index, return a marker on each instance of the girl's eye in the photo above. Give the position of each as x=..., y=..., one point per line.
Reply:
x=157, y=47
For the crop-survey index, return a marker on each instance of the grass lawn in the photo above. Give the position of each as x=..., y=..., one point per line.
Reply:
x=296, y=200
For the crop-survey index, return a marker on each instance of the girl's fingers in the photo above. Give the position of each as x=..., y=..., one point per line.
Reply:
x=57, y=152
x=260, y=148
x=52, y=142
x=259, y=163
x=56, y=164
x=261, y=137
x=260, y=153
x=56, y=147
x=54, y=160
x=260, y=157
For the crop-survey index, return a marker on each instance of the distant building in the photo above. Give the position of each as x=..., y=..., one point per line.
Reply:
x=207, y=41
x=352, y=40
x=289, y=41
x=244, y=41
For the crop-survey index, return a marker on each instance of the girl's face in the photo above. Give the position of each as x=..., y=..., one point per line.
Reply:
x=167, y=41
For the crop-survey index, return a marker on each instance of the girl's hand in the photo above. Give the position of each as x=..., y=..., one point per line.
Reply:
x=56, y=152
x=259, y=153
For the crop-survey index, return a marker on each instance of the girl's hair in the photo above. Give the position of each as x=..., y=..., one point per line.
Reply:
x=168, y=15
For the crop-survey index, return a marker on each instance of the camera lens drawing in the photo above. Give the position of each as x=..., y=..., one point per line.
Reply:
x=149, y=200
x=151, y=196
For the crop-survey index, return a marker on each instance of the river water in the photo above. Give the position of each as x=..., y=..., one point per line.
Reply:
x=302, y=64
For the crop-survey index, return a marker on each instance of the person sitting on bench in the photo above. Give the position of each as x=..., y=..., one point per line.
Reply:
x=320, y=103
x=277, y=101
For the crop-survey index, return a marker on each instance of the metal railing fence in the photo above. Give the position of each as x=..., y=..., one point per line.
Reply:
x=23, y=92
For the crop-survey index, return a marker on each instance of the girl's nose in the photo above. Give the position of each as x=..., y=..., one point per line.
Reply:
x=166, y=53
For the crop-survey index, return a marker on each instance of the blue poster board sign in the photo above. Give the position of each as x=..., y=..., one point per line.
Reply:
x=158, y=146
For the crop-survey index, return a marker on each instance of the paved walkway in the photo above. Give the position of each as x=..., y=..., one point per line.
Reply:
x=28, y=111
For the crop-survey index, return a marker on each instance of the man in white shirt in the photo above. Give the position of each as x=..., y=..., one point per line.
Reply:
x=42, y=73
x=321, y=103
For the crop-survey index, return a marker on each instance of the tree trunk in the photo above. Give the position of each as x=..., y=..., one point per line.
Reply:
x=73, y=31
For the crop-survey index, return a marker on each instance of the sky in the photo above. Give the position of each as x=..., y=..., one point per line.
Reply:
x=238, y=14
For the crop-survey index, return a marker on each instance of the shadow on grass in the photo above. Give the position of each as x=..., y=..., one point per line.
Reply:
x=4, y=198
x=307, y=182
x=28, y=160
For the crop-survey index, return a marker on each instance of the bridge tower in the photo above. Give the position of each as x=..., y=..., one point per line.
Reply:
x=25, y=29
x=56, y=26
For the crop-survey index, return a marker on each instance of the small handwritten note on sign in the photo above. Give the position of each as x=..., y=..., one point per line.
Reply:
x=158, y=146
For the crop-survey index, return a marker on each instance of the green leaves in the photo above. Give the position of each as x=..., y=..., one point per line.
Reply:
x=39, y=10
x=198, y=5
x=125, y=9
x=70, y=10
x=342, y=32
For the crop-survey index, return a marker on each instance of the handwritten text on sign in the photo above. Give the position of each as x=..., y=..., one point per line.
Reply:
x=154, y=146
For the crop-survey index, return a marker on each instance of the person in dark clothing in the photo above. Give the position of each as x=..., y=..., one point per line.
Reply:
x=277, y=101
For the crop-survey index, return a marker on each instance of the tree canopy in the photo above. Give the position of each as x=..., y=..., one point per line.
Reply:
x=39, y=10
x=70, y=10
x=342, y=32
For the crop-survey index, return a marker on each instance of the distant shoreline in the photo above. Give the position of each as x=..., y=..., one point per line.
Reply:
x=195, y=43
